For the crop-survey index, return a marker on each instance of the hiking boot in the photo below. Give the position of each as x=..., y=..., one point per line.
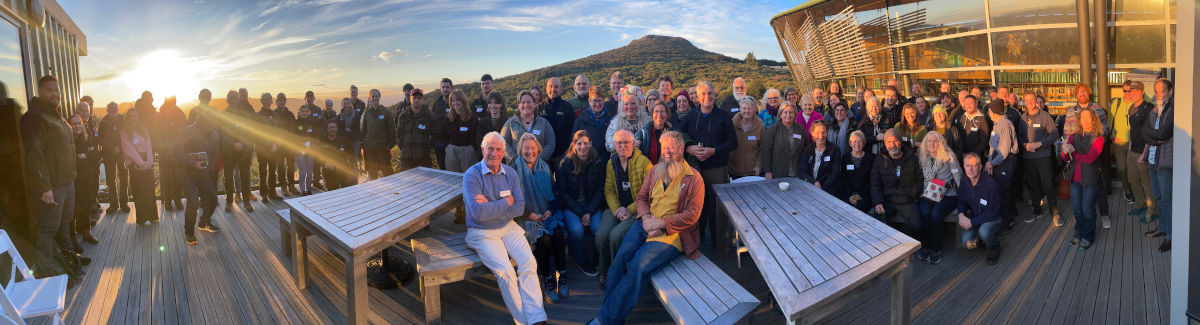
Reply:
x=249, y=208
x=993, y=256
x=563, y=291
x=923, y=255
x=88, y=238
x=1105, y=222
x=548, y=290
x=1085, y=244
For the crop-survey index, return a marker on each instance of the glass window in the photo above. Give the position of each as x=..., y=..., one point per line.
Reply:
x=882, y=60
x=1032, y=12
x=1053, y=84
x=1038, y=46
x=1171, y=50
x=1137, y=44
x=872, y=21
x=12, y=72
x=918, y=20
x=970, y=51
x=1127, y=10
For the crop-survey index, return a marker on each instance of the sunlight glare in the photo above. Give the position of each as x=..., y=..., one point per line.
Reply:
x=166, y=73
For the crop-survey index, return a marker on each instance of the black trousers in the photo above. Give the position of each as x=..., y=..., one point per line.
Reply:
x=285, y=167
x=201, y=194
x=1003, y=174
x=551, y=249
x=114, y=171
x=268, y=174
x=239, y=161
x=1040, y=178
x=144, y=200
x=379, y=162
x=170, y=187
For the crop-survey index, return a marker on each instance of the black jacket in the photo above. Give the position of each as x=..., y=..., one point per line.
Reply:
x=595, y=131
x=714, y=131
x=855, y=178
x=561, y=116
x=976, y=134
x=896, y=181
x=1137, y=133
x=581, y=193
x=828, y=173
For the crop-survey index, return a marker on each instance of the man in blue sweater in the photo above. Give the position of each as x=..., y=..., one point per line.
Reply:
x=981, y=209
x=492, y=198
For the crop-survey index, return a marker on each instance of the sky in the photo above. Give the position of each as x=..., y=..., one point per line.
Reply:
x=178, y=47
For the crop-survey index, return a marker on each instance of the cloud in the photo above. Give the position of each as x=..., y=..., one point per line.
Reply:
x=386, y=56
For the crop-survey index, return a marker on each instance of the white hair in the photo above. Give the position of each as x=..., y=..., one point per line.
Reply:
x=768, y=94
x=492, y=137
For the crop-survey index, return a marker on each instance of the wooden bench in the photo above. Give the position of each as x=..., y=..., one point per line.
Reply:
x=694, y=291
x=285, y=230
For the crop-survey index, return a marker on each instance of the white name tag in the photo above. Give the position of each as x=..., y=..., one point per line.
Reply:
x=381, y=116
x=136, y=141
x=983, y=202
x=342, y=149
x=505, y=193
x=479, y=109
x=462, y=129
x=827, y=158
x=897, y=171
x=307, y=144
x=904, y=138
x=625, y=185
x=420, y=126
x=537, y=132
x=993, y=133
x=1037, y=125
x=974, y=129
x=849, y=167
x=954, y=170
x=751, y=138
x=447, y=110
x=734, y=110
x=796, y=136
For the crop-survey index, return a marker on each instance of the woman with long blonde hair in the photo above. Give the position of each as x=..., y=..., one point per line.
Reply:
x=938, y=166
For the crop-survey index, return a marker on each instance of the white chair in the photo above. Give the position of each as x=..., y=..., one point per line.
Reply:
x=742, y=248
x=30, y=297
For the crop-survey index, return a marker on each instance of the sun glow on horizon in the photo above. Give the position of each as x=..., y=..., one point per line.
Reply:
x=165, y=73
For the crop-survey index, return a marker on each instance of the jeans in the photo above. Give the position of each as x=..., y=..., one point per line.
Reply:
x=200, y=193
x=1140, y=183
x=285, y=165
x=608, y=232
x=51, y=219
x=305, y=164
x=1039, y=177
x=143, y=195
x=239, y=163
x=988, y=231
x=521, y=289
x=933, y=216
x=1004, y=177
x=1160, y=180
x=629, y=275
x=1083, y=202
x=582, y=245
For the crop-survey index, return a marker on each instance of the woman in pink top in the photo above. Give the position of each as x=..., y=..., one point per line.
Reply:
x=139, y=158
x=1082, y=150
x=808, y=114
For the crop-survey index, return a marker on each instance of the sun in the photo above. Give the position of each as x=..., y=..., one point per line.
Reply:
x=165, y=72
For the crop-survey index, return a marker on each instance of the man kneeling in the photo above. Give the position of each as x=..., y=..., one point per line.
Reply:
x=981, y=209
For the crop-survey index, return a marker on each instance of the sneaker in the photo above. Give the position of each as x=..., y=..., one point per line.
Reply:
x=1031, y=217
x=1128, y=198
x=190, y=239
x=589, y=270
x=972, y=244
x=88, y=238
x=935, y=257
x=1105, y=222
x=209, y=228
x=1074, y=242
x=923, y=255
x=993, y=256
x=1137, y=212
x=1085, y=244
x=563, y=291
x=548, y=290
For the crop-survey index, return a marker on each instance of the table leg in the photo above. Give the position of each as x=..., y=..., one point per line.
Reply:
x=285, y=236
x=356, y=291
x=901, y=295
x=301, y=255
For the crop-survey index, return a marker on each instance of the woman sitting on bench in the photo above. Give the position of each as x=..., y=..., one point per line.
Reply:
x=668, y=206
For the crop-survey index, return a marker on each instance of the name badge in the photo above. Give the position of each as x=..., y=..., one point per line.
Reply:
x=751, y=138
x=558, y=113
x=114, y=127
x=91, y=148
x=308, y=131
x=983, y=202
x=347, y=129
x=136, y=141
x=537, y=132
x=505, y=193
x=462, y=129
x=307, y=144
x=904, y=138
x=734, y=110
x=478, y=109
x=1037, y=125
x=897, y=171
x=954, y=170
x=421, y=126
x=342, y=149
x=993, y=133
x=447, y=110
x=358, y=110
x=97, y=134
x=381, y=116
x=974, y=129
x=625, y=185
x=849, y=167
x=238, y=125
x=316, y=115
x=827, y=158
x=796, y=136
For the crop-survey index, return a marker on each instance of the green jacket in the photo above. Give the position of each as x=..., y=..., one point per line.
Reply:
x=49, y=147
x=639, y=167
x=378, y=128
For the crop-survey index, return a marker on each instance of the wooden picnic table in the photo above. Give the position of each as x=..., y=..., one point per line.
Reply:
x=359, y=221
x=816, y=252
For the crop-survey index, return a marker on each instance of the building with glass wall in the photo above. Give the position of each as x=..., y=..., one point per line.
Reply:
x=1032, y=45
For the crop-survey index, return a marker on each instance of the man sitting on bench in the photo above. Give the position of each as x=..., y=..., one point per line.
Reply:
x=492, y=198
x=668, y=206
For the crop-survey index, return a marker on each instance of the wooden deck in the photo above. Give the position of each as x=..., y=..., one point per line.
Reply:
x=238, y=276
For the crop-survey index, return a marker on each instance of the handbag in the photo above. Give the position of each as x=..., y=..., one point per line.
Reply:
x=935, y=189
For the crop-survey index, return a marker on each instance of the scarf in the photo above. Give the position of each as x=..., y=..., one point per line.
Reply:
x=596, y=118
x=538, y=194
x=774, y=111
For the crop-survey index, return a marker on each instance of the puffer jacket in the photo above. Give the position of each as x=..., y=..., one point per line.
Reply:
x=49, y=147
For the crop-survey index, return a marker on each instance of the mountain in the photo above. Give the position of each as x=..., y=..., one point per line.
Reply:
x=642, y=62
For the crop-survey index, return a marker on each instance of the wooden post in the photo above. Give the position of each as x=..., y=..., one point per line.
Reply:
x=356, y=291
x=433, y=302
x=301, y=254
x=901, y=294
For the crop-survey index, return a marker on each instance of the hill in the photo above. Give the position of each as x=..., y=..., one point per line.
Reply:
x=642, y=62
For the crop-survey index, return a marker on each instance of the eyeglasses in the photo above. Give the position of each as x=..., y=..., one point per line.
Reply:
x=623, y=142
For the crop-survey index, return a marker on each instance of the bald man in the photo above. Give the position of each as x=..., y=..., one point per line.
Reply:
x=561, y=116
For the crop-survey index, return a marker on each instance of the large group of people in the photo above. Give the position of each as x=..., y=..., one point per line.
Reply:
x=620, y=180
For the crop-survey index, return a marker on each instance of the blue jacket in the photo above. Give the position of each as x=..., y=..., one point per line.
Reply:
x=981, y=199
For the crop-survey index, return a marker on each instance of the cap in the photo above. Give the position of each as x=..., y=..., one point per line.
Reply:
x=1136, y=85
x=996, y=107
x=418, y=92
